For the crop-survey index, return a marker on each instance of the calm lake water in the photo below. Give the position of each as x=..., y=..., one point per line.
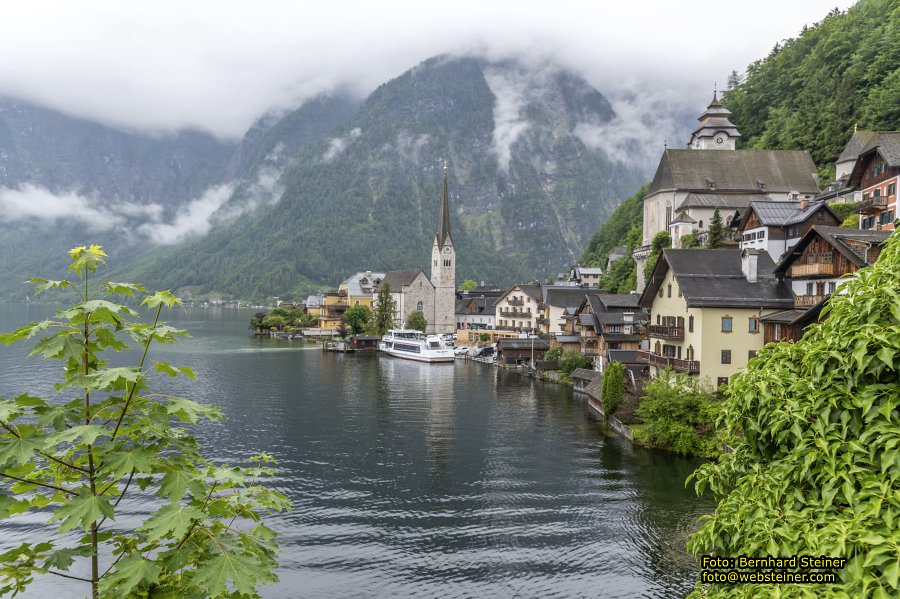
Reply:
x=416, y=480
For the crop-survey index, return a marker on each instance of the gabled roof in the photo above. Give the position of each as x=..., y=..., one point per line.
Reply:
x=400, y=278
x=613, y=300
x=619, y=317
x=884, y=143
x=838, y=238
x=753, y=171
x=713, y=278
x=538, y=344
x=362, y=283
x=532, y=290
x=563, y=296
x=855, y=145
x=464, y=306
x=782, y=214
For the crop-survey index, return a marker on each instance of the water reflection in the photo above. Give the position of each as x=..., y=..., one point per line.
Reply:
x=415, y=480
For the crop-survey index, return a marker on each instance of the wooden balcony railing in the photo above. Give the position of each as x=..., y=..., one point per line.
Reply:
x=809, y=270
x=805, y=301
x=663, y=331
x=515, y=302
x=689, y=366
x=514, y=314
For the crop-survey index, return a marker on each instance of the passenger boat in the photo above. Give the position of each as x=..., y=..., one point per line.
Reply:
x=415, y=345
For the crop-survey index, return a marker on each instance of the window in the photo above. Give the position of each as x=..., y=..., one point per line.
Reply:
x=877, y=193
x=420, y=306
x=660, y=291
x=701, y=224
x=761, y=234
x=831, y=286
x=726, y=324
x=669, y=290
x=828, y=257
x=691, y=323
x=751, y=354
x=726, y=356
x=690, y=353
x=753, y=325
x=721, y=381
x=777, y=331
x=809, y=288
x=657, y=319
x=885, y=217
x=892, y=189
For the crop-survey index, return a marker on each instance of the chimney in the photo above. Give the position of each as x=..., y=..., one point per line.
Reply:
x=749, y=265
x=804, y=204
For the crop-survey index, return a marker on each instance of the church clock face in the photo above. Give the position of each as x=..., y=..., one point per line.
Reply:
x=446, y=250
x=720, y=139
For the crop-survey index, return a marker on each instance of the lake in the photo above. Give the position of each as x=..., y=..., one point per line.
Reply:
x=417, y=480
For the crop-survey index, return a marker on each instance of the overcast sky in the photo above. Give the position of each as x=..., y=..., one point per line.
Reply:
x=217, y=66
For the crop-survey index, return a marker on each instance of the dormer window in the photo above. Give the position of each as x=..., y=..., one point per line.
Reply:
x=710, y=184
x=760, y=184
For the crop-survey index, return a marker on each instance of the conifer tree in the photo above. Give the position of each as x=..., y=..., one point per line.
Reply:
x=716, y=232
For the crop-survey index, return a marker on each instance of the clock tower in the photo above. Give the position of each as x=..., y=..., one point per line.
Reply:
x=716, y=131
x=443, y=270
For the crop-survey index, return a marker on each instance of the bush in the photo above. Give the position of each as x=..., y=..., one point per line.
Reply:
x=816, y=446
x=613, y=390
x=416, y=320
x=570, y=360
x=553, y=354
x=678, y=415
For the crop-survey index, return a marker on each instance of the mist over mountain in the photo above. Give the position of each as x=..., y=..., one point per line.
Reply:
x=537, y=159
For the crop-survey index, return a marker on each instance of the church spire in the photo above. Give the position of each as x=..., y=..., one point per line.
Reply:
x=443, y=233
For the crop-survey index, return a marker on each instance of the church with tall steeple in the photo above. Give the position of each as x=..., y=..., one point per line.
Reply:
x=434, y=296
x=443, y=268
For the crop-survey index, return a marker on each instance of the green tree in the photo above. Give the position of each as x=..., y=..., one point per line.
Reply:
x=468, y=285
x=484, y=337
x=359, y=318
x=678, y=414
x=613, y=389
x=385, y=306
x=570, y=360
x=553, y=354
x=273, y=321
x=416, y=320
x=661, y=241
x=813, y=425
x=71, y=462
x=716, y=232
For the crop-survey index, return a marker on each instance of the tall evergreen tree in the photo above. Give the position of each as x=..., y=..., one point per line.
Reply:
x=384, y=311
x=716, y=231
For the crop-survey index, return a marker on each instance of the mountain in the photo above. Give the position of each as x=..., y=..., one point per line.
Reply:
x=527, y=188
x=811, y=91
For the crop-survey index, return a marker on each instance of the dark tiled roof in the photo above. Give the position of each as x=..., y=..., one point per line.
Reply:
x=780, y=214
x=628, y=356
x=539, y=344
x=614, y=300
x=486, y=303
x=737, y=201
x=854, y=146
x=837, y=237
x=735, y=170
x=619, y=317
x=888, y=144
x=619, y=337
x=714, y=278
x=399, y=278
x=462, y=306
x=586, y=374
x=587, y=320
x=563, y=296
x=532, y=290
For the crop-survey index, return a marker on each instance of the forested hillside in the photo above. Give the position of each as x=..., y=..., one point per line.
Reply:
x=811, y=90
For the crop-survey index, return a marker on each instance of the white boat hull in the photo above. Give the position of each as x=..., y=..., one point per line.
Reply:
x=431, y=357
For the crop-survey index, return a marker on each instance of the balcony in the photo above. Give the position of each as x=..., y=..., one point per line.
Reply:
x=689, y=366
x=825, y=269
x=515, y=314
x=805, y=301
x=662, y=331
x=875, y=204
x=543, y=320
x=515, y=302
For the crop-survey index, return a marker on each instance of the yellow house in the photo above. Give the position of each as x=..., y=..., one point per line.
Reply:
x=705, y=307
x=329, y=308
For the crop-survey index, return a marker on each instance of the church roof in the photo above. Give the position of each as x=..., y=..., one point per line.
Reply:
x=443, y=233
x=399, y=278
x=716, y=118
x=854, y=146
x=746, y=171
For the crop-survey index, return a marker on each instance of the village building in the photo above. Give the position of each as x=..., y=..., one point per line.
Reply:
x=519, y=308
x=789, y=325
x=475, y=312
x=329, y=307
x=705, y=310
x=876, y=175
x=617, y=253
x=559, y=301
x=607, y=321
x=777, y=226
x=527, y=352
x=824, y=257
x=360, y=287
x=691, y=184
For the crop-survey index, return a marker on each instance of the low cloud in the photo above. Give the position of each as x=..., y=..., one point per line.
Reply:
x=191, y=220
x=338, y=144
x=509, y=89
x=34, y=202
